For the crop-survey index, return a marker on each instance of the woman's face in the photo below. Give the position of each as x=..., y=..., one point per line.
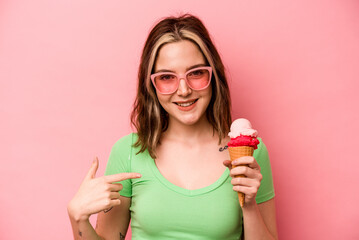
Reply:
x=186, y=106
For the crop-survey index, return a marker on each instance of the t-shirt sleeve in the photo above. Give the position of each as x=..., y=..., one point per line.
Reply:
x=120, y=162
x=266, y=189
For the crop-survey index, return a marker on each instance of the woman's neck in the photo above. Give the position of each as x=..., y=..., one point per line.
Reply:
x=200, y=131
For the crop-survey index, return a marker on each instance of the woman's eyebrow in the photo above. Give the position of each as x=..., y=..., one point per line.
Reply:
x=164, y=70
x=196, y=66
x=189, y=68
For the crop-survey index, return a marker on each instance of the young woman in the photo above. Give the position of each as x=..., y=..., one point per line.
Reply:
x=175, y=183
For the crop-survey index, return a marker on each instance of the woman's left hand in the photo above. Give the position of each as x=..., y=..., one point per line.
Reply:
x=249, y=184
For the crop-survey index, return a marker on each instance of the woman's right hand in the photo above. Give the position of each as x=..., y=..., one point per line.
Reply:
x=97, y=194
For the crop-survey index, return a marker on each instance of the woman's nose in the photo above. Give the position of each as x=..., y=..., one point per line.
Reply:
x=183, y=88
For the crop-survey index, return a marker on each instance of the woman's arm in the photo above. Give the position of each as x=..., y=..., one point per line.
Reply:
x=260, y=221
x=82, y=229
x=114, y=223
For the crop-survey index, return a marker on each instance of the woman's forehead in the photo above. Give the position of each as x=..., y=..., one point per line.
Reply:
x=178, y=56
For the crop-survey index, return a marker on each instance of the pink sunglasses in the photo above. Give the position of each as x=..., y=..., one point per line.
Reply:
x=168, y=82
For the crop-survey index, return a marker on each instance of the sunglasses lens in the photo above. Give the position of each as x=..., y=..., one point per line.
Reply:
x=198, y=79
x=166, y=83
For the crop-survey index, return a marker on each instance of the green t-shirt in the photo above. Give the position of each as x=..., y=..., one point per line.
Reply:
x=161, y=210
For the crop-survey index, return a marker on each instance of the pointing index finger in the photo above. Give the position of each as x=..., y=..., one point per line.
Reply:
x=121, y=176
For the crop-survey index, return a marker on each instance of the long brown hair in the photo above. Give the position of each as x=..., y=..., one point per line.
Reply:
x=148, y=116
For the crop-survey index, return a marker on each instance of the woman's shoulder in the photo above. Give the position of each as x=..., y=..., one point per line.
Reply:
x=261, y=153
x=127, y=139
x=125, y=142
x=261, y=146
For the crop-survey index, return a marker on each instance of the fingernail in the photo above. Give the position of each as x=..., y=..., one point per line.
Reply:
x=138, y=175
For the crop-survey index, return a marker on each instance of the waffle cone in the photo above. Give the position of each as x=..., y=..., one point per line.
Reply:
x=237, y=152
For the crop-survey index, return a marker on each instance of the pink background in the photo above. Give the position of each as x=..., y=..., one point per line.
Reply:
x=68, y=76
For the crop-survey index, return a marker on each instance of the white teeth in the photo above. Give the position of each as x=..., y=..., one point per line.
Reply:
x=185, y=104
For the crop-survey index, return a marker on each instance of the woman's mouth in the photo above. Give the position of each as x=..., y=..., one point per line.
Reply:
x=186, y=105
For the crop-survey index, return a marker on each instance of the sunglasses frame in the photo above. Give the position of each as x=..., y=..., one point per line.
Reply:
x=182, y=76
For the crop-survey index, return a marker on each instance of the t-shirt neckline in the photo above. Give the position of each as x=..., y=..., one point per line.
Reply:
x=184, y=191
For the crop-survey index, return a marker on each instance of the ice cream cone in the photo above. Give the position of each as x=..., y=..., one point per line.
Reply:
x=237, y=152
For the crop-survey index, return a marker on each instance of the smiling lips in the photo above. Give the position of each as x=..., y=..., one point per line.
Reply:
x=186, y=105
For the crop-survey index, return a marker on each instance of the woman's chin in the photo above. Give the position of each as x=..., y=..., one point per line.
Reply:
x=190, y=120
